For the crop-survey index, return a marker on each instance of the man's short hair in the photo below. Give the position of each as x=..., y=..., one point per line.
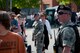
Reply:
x=5, y=19
x=36, y=15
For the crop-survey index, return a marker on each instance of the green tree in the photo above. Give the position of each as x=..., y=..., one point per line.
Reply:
x=20, y=3
x=77, y=2
x=64, y=2
x=2, y=4
x=25, y=3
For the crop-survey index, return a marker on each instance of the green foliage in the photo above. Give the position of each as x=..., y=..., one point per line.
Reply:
x=25, y=3
x=20, y=3
x=64, y=2
x=2, y=4
x=77, y=2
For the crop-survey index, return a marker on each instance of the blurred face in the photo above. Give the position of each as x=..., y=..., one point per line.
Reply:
x=63, y=17
x=19, y=18
x=36, y=17
x=13, y=16
x=43, y=17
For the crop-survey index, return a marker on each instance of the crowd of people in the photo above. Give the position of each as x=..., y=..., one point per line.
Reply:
x=10, y=42
x=12, y=32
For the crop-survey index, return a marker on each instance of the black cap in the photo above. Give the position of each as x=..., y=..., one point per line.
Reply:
x=36, y=15
x=63, y=7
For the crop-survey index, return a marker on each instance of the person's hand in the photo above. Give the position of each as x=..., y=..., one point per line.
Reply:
x=25, y=35
x=33, y=38
x=50, y=36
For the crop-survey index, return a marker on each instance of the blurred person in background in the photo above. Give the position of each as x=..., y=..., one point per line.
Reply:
x=47, y=31
x=14, y=23
x=10, y=42
x=38, y=35
x=74, y=17
x=21, y=27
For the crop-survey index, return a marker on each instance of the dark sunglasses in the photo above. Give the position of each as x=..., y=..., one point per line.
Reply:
x=61, y=13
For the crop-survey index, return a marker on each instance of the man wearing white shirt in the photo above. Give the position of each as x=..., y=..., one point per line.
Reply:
x=46, y=22
x=47, y=31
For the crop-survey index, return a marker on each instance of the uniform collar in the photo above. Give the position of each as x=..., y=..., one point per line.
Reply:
x=67, y=23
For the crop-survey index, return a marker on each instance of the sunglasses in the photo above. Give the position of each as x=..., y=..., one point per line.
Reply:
x=61, y=13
